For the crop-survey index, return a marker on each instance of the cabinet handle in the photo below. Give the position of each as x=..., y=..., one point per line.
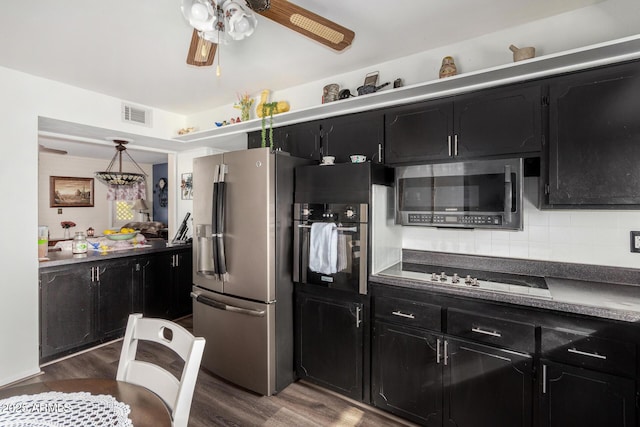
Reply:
x=177, y=260
x=446, y=348
x=483, y=332
x=455, y=145
x=380, y=159
x=438, y=351
x=449, y=144
x=401, y=314
x=544, y=379
x=93, y=275
x=584, y=353
x=358, y=316
x=97, y=273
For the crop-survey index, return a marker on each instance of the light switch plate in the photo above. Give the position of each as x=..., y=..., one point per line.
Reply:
x=635, y=241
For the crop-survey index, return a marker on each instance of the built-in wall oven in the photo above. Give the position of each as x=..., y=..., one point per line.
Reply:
x=472, y=194
x=346, y=267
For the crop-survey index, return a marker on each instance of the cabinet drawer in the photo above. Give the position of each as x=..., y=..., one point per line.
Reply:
x=490, y=330
x=583, y=350
x=408, y=313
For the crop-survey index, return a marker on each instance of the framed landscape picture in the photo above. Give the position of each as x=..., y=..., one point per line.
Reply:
x=68, y=192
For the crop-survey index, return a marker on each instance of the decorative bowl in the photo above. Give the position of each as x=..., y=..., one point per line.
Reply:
x=121, y=236
x=358, y=158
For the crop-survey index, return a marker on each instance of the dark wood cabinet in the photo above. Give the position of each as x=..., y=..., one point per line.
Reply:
x=406, y=373
x=341, y=136
x=494, y=122
x=166, y=282
x=86, y=303
x=67, y=310
x=116, y=281
x=594, y=138
x=572, y=396
x=485, y=386
x=329, y=342
x=436, y=379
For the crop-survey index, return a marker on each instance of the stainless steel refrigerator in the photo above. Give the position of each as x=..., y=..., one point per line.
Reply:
x=242, y=272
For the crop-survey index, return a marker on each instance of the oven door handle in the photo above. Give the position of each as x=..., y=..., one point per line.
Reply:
x=508, y=194
x=347, y=229
x=226, y=307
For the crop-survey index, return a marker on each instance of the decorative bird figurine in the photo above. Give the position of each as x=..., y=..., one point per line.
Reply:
x=448, y=67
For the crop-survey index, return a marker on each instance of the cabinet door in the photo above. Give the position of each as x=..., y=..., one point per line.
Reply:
x=300, y=140
x=116, y=280
x=354, y=134
x=156, y=273
x=182, y=275
x=573, y=396
x=329, y=343
x=498, y=121
x=67, y=310
x=486, y=386
x=419, y=132
x=407, y=373
x=594, y=130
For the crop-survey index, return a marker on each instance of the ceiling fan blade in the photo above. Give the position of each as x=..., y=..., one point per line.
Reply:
x=44, y=149
x=306, y=23
x=201, y=51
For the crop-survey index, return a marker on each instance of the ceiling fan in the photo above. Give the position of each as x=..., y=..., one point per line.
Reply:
x=44, y=149
x=217, y=21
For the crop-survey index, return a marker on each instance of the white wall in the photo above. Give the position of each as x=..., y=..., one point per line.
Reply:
x=24, y=98
x=97, y=216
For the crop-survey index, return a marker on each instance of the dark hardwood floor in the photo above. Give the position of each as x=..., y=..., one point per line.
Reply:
x=219, y=403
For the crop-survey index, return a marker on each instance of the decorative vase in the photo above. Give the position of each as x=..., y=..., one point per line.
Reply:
x=448, y=68
x=244, y=112
x=67, y=233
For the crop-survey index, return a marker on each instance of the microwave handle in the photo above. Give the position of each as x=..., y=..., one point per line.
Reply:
x=508, y=194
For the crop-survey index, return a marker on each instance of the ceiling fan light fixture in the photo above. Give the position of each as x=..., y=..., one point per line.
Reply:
x=240, y=22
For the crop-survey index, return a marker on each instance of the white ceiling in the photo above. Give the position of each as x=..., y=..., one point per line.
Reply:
x=136, y=50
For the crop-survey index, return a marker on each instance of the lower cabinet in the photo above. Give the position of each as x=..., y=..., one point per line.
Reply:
x=166, y=284
x=572, y=396
x=330, y=342
x=85, y=303
x=437, y=380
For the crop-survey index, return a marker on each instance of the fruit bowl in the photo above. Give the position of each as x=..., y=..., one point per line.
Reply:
x=121, y=236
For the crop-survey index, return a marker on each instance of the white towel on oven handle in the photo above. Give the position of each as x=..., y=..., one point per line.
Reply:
x=323, y=248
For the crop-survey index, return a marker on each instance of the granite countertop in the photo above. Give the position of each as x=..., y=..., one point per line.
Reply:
x=64, y=257
x=616, y=301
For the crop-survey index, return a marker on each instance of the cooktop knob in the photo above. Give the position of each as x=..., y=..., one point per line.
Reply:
x=435, y=277
x=443, y=277
x=350, y=213
x=467, y=280
x=455, y=278
x=474, y=282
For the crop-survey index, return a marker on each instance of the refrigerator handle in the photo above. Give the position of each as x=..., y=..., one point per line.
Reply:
x=226, y=307
x=214, y=222
x=222, y=187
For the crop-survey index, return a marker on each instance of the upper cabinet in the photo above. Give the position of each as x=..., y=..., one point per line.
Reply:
x=594, y=138
x=493, y=122
x=340, y=137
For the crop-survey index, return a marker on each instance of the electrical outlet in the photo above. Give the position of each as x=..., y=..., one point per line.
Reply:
x=59, y=211
x=635, y=241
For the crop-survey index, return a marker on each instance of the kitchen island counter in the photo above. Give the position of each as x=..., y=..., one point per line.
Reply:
x=65, y=257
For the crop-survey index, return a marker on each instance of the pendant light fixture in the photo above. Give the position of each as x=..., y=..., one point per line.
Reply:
x=118, y=177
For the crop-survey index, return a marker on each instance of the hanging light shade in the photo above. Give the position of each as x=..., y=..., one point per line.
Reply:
x=111, y=177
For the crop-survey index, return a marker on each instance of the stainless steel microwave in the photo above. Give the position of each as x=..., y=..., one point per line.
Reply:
x=472, y=194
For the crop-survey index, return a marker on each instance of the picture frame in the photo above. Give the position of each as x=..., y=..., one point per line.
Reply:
x=186, y=186
x=70, y=192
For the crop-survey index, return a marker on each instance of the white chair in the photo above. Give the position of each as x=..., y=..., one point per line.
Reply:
x=176, y=393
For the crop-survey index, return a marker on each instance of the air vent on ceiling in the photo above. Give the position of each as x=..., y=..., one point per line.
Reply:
x=137, y=115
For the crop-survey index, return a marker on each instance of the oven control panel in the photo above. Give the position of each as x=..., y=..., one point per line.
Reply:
x=331, y=212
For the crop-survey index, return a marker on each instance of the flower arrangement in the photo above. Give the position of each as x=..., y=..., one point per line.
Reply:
x=67, y=224
x=244, y=105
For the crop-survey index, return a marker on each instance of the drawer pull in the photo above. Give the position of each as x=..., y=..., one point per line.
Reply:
x=401, y=314
x=483, y=332
x=584, y=353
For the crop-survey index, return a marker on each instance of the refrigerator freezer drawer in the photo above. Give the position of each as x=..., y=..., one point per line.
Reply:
x=240, y=339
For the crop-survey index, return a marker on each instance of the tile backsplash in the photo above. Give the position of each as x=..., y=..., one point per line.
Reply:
x=599, y=237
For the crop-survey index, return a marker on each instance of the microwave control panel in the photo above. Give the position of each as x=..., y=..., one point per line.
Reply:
x=469, y=220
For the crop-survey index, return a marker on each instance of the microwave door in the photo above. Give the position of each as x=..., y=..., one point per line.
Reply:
x=508, y=191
